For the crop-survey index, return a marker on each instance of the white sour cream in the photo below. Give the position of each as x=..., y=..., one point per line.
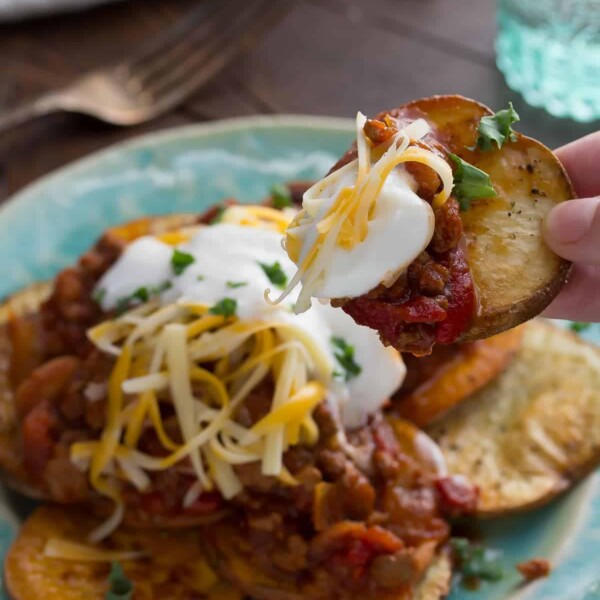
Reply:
x=400, y=229
x=227, y=264
x=364, y=224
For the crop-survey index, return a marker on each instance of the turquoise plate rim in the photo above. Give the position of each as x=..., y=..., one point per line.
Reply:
x=201, y=130
x=573, y=522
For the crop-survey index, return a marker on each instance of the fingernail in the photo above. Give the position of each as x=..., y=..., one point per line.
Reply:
x=570, y=221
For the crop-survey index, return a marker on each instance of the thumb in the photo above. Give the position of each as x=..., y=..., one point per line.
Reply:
x=572, y=230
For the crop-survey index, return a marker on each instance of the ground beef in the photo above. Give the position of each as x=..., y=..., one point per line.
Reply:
x=330, y=535
x=71, y=310
x=359, y=519
x=534, y=568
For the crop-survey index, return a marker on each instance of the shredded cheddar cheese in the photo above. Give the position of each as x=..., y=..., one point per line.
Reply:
x=257, y=216
x=342, y=222
x=205, y=366
x=68, y=550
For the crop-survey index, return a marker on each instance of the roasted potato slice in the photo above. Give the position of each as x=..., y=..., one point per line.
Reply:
x=461, y=371
x=515, y=273
x=534, y=431
x=175, y=566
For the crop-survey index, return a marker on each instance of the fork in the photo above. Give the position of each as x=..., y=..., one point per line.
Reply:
x=167, y=71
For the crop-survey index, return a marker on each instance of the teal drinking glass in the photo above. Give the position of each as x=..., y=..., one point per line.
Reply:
x=549, y=51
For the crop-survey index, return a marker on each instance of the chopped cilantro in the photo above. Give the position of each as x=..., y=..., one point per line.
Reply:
x=98, y=295
x=180, y=261
x=141, y=295
x=470, y=183
x=226, y=307
x=236, y=284
x=497, y=128
x=120, y=588
x=218, y=215
x=161, y=287
x=579, y=327
x=275, y=274
x=345, y=357
x=281, y=196
x=475, y=561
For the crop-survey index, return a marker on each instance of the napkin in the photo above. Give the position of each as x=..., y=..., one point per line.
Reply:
x=18, y=9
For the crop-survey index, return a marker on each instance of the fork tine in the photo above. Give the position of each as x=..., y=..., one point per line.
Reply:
x=197, y=77
x=208, y=58
x=153, y=50
x=181, y=48
x=175, y=48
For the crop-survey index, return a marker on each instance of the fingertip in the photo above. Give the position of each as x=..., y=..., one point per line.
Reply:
x=572, y=230
x=580, y=158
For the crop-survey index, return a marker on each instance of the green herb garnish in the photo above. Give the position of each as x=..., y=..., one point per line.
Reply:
x=275, y=274
x=470, y=183
x=236, y=284
x=200, y=278
x=180, y=261
x=226, y=307
x=579, y=327
x=120, y=588
x=161, y=287
x=345, y=357
x=281, y=196
x=99, y=295
x=475, y=561
x=218, y=215
x=496, y=128
x=141, y=295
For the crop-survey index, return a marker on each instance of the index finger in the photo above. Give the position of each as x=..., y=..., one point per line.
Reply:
x=581, y=159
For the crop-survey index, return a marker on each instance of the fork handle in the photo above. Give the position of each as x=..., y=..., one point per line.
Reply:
x=44, y=105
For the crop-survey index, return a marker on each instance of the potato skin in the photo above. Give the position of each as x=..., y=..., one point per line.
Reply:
x=466, y=371
x=176, y=567
x=534, y=431
x=515, y=273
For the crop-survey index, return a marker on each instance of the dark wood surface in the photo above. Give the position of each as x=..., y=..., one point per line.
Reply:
x=327, y=57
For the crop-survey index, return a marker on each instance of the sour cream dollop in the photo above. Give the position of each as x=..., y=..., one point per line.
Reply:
x=363, y=224
x=400, y=229
x=234, y=261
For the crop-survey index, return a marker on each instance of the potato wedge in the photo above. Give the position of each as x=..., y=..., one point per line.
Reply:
x=437, y=581
x=462, y=371
x=175, y=568
x=534, y=431
x=515, y=273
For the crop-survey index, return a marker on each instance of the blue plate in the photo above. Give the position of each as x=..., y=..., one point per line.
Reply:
x=50, y=223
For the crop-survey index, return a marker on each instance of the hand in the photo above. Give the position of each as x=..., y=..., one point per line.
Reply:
x=572, y=230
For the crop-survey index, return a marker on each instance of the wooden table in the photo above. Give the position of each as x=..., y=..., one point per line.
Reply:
x=327, y=57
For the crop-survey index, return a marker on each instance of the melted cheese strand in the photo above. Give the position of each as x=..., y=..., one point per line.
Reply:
x=175, y=337
x=68, y=550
